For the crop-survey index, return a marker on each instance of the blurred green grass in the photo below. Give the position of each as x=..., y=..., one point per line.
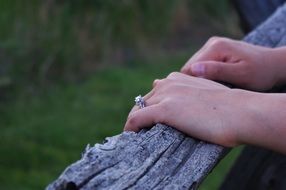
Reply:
x=70, y=70
x=42, y=42
x=42, y=134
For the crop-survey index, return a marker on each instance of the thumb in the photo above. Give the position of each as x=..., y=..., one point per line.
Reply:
x=214, y=70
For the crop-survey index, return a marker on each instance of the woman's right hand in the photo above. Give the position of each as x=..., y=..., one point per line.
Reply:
x=235, y=62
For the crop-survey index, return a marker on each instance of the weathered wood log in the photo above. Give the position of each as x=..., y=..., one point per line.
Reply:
x=254, y=12
x=152, y=159
x=159, y=158
x=272, y=33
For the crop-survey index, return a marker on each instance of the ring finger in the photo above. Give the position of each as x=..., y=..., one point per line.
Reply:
x=150, y=100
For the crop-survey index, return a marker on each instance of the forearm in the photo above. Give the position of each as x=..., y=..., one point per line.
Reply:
x=268, y=112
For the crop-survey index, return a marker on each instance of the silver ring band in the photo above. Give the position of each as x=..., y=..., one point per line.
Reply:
x=140, y=101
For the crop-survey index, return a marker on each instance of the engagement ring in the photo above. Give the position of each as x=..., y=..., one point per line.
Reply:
x=140, y=101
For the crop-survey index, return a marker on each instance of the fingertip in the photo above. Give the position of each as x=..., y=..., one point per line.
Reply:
x=131, y=124
x=130, y=128
x=145, y=117
x=126, y=127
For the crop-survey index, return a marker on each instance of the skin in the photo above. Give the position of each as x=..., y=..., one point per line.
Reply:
x=213, y=112
x=247, y=66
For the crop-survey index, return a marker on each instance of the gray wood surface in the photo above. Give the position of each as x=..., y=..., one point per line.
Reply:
x=159, y=158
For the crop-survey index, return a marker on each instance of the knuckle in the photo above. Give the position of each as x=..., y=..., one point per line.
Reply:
x=218, y=42
x=155, y=82
x=159, y=83
x=173, y=75
x=213, y=38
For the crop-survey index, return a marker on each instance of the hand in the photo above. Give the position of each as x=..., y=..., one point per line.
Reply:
x=239, y=63
x=198, y=107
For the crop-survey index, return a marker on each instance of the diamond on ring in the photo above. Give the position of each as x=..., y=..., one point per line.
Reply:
x=140, y=101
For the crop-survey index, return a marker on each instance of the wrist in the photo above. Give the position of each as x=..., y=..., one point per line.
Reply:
x=277, y=59
x=263, y=122
x=250, y=109
x=239, y=107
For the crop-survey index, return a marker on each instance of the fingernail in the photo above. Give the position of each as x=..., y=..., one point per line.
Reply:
x=198, y=69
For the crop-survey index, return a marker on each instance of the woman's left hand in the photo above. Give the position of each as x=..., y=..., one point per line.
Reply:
x=198, y=107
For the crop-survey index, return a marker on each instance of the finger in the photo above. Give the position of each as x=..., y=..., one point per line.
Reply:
x=216, y=49
x=145, y=98
x=187, y=80
x=145, y=117
x=184, y=79
x=204, y=54
x=155, y=82
x=148, y=95
x=134, y=109
x=149, y=102
x=218, y=71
